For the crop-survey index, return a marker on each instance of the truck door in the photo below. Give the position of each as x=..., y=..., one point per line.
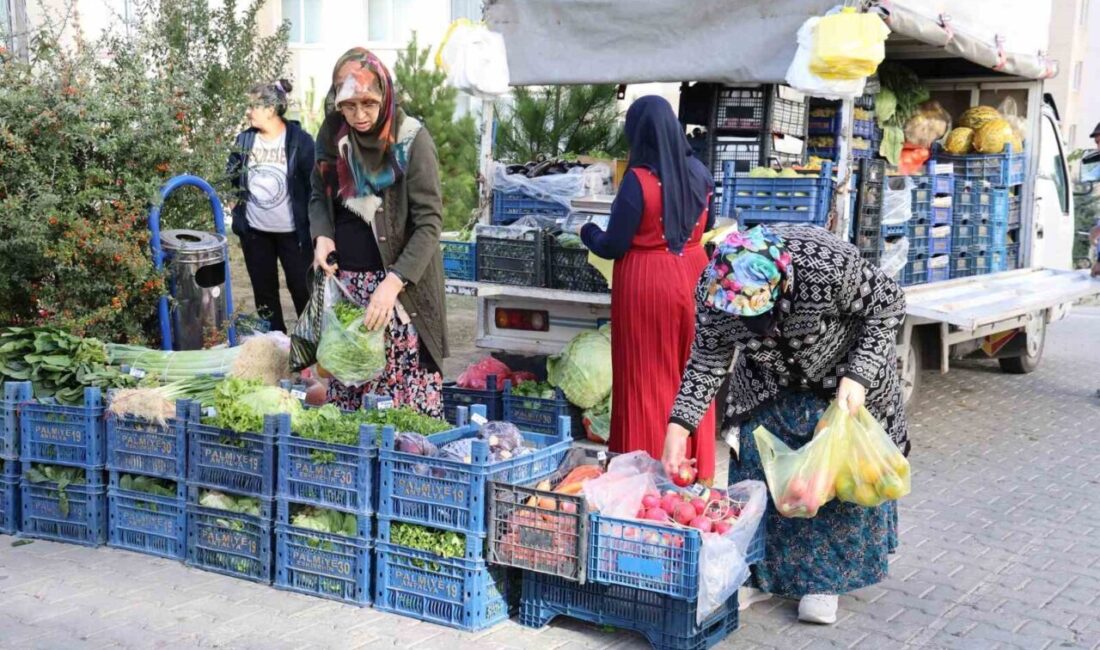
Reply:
x=1052, y=245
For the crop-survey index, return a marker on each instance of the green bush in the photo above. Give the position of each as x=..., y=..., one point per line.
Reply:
x=90, y=132
x=423, y=93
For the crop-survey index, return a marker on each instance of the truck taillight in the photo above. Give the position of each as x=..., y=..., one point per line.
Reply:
x=532, y=320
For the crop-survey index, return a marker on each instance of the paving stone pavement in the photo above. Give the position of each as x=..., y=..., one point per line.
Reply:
x=1000, y=548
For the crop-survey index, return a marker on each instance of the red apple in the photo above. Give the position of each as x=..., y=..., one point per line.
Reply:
x=722, y=527
x=651, y=501
x=669, y=501
x=702, y=523
x=656, y=514
x=685, y=475
x=684, y=513
x=699, y=505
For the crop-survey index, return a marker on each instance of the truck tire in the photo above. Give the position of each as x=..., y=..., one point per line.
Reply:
x=909, y=373
x=1036, y=332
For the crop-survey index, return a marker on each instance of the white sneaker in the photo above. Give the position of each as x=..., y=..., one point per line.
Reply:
x=818, y=608
x=747, y=597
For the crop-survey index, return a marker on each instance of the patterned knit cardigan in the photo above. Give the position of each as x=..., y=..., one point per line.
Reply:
x=840, y=319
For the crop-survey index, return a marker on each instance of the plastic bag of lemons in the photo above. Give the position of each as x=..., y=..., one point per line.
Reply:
x=873, y=470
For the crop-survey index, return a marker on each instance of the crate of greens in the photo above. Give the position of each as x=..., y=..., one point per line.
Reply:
x=567, y=266
x=147, y=515
x=330, y=457
x=534, y=406
x=51, y=432
x=15, y=393
x=9, y=498
x=229, y=534
x=465, y=594
x=64, y=504
x=440, y=480
x=147, y=430
x=323, y=552
x=232, y=446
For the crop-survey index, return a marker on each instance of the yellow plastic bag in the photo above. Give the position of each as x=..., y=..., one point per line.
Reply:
x=804, y=479
x=874, y=470
x=848, y=45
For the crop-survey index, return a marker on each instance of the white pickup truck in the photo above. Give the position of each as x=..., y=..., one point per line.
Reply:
x=1000, y=315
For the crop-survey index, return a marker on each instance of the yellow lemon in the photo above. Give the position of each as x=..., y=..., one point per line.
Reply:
x=865, y=495
x=891, y=488
x=845, y=487
x=870, y=472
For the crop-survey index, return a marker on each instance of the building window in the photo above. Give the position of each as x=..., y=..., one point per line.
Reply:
x=1072, y=136
x=466, y=9
x=1077, y=75
x=1084, y=13
x=304, y=17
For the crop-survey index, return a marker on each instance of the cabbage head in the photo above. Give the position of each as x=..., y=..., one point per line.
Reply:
x=583, y=370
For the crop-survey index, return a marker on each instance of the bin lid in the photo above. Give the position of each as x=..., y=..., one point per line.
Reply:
x=192, y=241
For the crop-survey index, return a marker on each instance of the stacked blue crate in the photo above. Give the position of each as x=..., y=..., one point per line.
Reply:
x=930, y=228
x=142, y=454
x=63, y=444
x=15, y=393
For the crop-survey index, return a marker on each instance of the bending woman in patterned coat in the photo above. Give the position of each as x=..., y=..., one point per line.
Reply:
x=809, y=321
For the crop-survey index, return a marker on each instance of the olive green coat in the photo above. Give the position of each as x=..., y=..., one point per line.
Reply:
x=407, y=228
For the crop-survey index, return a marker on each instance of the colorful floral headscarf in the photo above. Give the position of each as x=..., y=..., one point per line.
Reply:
x=356, y=165
x=748, y=273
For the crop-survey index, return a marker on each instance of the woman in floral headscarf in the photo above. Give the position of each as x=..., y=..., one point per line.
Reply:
x=377, y=206
x=810, y=321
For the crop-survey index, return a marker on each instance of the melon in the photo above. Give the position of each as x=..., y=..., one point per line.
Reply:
x=975, y=118
x=959, y=141
x=994, y=135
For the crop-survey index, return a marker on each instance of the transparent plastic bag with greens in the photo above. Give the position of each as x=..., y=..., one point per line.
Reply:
x=874, y=470
x=347, y=350
x=583, y=370
x=804, y=479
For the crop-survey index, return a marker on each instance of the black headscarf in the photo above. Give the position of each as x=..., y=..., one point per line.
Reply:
x=657, y=142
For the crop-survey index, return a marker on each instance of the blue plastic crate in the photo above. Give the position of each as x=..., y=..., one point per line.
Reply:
x=938, y=273
x=831, y=153
x=322, y=564
x=915, y=270
x=64, y=435
x=491, y=398
x=650, y=556
x=972, y=205
x=78, y=518
x=229, y=543
x=510, y=206
x=769, y=200
x=971, y=234
x=533, y=413
x=939, y=241
x=1000, y=169
x=147, y=523
x=451, y=495
x=833, y=124
x=459, y=260
x=138, y=446
x=998, y=259
x=330, y=475
x=667, y=623
x=15, y=394
x=9, y=506
x=243, y=463
x=970, y=263
x=10, y=468
x=463, y=594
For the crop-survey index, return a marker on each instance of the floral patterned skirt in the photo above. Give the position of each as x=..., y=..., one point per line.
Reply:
x=408, y=381
x=844, y=548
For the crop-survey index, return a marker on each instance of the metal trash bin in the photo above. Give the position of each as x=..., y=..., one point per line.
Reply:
x=196, y=282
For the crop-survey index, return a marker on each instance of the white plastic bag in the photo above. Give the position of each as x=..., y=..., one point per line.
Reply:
x=556, y=188
x=618, y=493
x=722, y=566
x=895, y=257
x=801, y=78
x=897, y=204
x=475, y=59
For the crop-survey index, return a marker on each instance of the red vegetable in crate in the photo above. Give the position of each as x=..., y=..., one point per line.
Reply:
x=685, y=475
x=521, y=376
x=476, y=376
x=414, y=443
x=501, y=435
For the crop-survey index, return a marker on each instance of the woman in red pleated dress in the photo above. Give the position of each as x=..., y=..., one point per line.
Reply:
x=653, y=235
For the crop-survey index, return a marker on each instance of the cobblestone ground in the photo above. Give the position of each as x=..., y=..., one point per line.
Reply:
x=1000, y=548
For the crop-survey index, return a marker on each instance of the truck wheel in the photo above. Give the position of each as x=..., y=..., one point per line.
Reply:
x=1036, y=332
x=910, y=371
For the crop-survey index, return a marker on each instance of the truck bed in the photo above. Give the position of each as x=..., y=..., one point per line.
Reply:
x=971, y=303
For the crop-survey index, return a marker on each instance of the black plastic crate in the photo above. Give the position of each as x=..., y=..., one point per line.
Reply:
x=492, y=398
x=568, y=269
x=512, y=261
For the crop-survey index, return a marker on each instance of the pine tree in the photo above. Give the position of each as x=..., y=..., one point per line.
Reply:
x=423, y=93
x=560, y=121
